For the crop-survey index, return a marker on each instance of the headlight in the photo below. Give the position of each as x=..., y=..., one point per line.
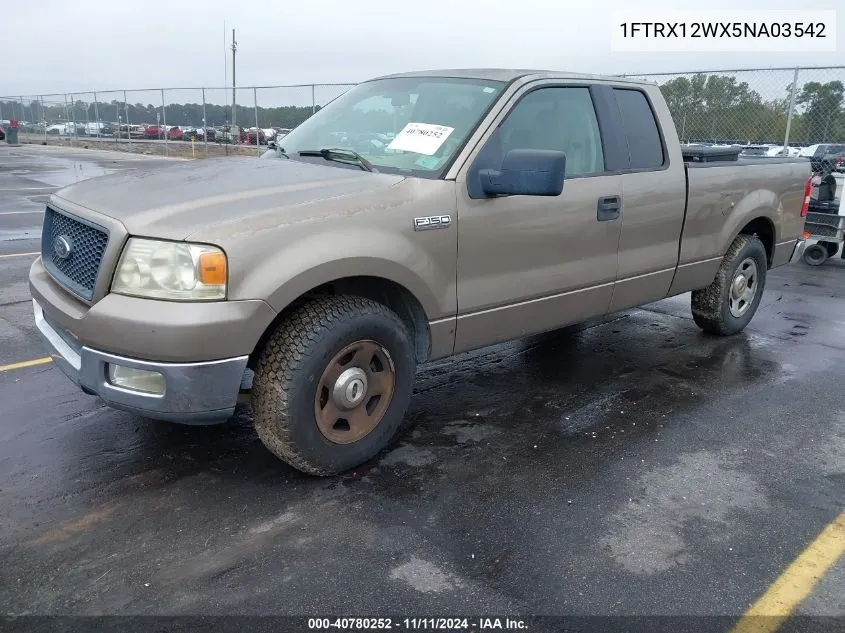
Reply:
x=170, y=270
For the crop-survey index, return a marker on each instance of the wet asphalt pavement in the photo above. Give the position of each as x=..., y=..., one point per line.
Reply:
x=630, y=466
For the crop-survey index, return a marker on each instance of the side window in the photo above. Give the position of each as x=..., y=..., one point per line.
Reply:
x=561, y=119
x=644, y=145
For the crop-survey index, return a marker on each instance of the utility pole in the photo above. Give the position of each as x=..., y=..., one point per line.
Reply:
x=234, y=50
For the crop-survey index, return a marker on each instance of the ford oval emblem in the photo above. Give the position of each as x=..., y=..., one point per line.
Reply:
x=63, y=246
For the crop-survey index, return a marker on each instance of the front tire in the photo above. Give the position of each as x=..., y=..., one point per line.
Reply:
x=333, y=383
x=727, y=305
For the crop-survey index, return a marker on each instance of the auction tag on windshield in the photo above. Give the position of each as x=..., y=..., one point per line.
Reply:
x=421, y=138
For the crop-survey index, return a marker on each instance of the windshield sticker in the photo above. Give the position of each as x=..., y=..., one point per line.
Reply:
x=427, y=162
x=421, y=138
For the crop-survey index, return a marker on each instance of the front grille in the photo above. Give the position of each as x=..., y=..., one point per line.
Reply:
x=79, y=269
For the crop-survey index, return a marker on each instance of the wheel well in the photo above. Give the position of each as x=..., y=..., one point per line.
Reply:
x=389, y=293
x=765, y=230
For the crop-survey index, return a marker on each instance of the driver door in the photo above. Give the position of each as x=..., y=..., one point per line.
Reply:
x=528, y=264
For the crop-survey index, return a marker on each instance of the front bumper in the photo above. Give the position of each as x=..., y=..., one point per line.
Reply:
x=196, y=393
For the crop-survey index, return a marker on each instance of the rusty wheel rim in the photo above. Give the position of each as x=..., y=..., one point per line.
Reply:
x=354, y=392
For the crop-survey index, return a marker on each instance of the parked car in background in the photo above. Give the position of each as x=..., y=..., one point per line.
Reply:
x=92, y=128
x=130, y=131
x=174, y=133
x=256, y=137
x=833, y=162
x=230, y=134
x=780, y=150
x=755, y=150
x=153, y=132
x=198, y=133
x=817, y=152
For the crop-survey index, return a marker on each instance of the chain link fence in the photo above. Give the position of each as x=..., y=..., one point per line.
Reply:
x=793, y=107
x=185, y=121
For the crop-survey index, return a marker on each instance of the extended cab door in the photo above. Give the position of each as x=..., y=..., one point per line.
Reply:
x=655, y=190
x=528, y=264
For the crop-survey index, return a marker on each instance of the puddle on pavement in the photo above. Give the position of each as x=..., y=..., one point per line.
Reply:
x=74, y=172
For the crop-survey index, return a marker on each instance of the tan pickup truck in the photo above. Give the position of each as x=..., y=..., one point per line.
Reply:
x=416, y=216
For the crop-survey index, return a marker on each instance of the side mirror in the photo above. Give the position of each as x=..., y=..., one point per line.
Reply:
x=526, y=172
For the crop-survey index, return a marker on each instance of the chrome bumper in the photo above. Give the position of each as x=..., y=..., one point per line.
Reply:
x=194, y=392
x=798, y=252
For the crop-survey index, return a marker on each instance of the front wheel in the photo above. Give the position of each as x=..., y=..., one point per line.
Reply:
x=332, y=384
x=727, y=305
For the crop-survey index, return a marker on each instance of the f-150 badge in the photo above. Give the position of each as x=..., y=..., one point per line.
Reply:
x=432, y=222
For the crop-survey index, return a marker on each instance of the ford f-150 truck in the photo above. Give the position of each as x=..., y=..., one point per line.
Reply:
x=416, y=216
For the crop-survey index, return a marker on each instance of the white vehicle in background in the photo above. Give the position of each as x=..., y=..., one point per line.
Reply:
x=95, y=129
x=63, y=129
x=780, y=150
x=809, y=151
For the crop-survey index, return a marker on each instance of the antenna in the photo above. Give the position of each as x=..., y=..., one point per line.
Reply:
x=234, y=49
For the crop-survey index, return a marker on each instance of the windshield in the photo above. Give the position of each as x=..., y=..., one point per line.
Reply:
x=405, y=125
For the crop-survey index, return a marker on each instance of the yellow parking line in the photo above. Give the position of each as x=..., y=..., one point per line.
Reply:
x=18, y=255
x=774, y=607
x=26, y=363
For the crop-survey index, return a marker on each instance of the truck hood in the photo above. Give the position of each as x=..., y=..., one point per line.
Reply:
x=175, y=201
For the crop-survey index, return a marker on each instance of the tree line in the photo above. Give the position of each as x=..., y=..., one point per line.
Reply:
x=718, y=107
x=187, y=114
x=704, y=106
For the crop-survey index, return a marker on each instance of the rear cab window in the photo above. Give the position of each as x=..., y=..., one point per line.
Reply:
x=645, y=145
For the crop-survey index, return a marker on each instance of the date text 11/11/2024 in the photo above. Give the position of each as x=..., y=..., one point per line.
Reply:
x=416, y=624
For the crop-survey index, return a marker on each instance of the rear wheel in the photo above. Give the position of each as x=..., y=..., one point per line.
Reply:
x=815, y=255
x=727, y=305
x=332, y=384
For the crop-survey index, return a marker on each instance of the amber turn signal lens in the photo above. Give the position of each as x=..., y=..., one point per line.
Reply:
x=806, y=235
x=212, y=268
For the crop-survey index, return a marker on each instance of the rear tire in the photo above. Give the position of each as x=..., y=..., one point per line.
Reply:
x=815, y=255
x=727, y=305
x=333, y=383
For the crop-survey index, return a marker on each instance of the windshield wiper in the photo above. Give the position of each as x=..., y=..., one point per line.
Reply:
x=338, y=155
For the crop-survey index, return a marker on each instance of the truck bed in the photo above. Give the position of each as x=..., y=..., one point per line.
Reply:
x=723, y=197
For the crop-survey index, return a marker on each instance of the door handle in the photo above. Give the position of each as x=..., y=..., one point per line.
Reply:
x=608, y=208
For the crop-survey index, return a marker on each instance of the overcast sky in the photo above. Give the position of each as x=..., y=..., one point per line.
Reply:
x=55, y=46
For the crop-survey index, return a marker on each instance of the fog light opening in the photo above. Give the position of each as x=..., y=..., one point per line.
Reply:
x=133, y=379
